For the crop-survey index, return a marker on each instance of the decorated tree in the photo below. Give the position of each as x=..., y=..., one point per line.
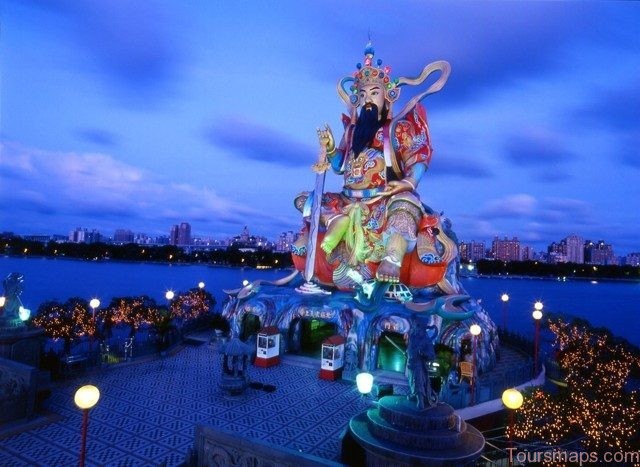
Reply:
x=193, y=304
x=161, y=319
x=65, y=321
x=131, y=311
x=595, y=406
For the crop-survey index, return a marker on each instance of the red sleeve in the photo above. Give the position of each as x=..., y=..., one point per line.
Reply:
x=412, y=142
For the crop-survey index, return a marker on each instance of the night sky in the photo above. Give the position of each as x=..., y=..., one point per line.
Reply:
x=143, y=114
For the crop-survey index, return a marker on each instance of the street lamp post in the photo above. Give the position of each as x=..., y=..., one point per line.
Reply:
x=94, y=303
x=505, y=310
x=85, y=398
x=475, y=331
x=512, y=399
x=537, y=315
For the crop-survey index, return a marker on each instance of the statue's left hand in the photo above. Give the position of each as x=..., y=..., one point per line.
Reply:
x=397, y=186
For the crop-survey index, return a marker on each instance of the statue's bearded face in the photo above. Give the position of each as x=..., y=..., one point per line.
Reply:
x=371, y=95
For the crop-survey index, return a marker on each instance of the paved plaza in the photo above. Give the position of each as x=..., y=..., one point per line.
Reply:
x=148, y=412
x=149, y=409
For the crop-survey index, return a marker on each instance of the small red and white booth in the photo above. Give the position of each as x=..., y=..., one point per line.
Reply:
x=268, y=347
x=332, y=358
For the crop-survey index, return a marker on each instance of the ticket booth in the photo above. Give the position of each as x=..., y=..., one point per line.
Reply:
x=268, y=347
x=332, y=358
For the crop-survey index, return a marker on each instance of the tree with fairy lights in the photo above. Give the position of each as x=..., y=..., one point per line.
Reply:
x=67, y=321
x=595, y=406
x=161, y=318
x=131, y=311
x=192, y=304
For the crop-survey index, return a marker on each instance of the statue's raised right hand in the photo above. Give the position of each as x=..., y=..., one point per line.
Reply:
x=325, y=138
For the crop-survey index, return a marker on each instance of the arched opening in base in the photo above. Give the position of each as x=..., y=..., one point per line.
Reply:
x=391, y=352
x=312, y=333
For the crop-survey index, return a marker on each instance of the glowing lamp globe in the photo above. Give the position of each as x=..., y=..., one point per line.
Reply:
x=364, y=381
x=505, y=297
x=475, y=330
x=94, y=303
x=24, y=313
x=537, y=314
x=169, y=295
x=86, y=396
x=2, y=300
x=538, y=306
x=245, y=283
x=201, y=285
x=512, y=399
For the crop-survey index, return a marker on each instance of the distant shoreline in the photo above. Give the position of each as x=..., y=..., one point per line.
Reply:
x=234, y=266
x=552, y=278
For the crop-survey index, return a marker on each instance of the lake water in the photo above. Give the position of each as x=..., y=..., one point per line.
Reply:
x=615, y=305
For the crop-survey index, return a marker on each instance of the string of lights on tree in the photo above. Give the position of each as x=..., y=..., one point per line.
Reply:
x=595, y=405
x=73, y=319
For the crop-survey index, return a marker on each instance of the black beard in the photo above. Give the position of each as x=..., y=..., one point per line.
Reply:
x=367, y=126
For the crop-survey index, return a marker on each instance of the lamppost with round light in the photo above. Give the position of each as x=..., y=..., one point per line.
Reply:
x=475, y=331
x=512, y=400
x=93, y=303
x=85, y=398
x=505, y=309
x=364, y=383
x=537, y=315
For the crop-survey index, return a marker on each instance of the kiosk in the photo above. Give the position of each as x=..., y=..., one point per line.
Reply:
x=268, y=347
x=332, y=358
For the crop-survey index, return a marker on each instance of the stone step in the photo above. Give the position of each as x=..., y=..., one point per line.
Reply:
x=401, y=412
x=383, y=453
x=421, y=440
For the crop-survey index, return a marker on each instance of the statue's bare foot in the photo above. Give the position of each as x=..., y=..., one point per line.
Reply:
x=389, y=270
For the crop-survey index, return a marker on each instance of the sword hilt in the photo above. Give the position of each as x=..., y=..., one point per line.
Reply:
x=323, y=164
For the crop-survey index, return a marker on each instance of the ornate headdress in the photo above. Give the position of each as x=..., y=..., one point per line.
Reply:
x=367, y=74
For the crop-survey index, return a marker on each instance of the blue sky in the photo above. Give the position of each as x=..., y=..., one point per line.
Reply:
x=140, y=115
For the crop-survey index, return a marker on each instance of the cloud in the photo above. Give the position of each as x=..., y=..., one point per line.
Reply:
x=130, y=44
x=257, y=142
x=459, y=167
x=616, y=109
x=519, y=205
x=98, y=189
x=98, y=137
x=536, y=148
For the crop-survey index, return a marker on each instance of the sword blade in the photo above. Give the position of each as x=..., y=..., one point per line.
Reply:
x=314, y=225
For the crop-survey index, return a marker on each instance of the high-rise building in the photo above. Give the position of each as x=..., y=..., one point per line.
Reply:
x=285, y=241
x=123, y=236
x=506, y=250
x=476, y=251
x=632, y=259
x=472, y=251
x=173, y=235
x=574, y=249
x=80, y=235
x=598, y=253
x=526, y=253
x=463, y=251
x=184, y=234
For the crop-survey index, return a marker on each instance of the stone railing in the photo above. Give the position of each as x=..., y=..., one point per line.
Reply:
x=214, y=447
x=18, y=386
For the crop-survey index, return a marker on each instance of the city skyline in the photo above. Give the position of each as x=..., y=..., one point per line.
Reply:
x=198, y=239
x=139, y=116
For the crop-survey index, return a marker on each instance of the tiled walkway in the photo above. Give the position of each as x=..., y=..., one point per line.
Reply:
x=148, y=411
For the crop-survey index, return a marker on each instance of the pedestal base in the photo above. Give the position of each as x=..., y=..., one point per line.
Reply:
x=397, y=433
